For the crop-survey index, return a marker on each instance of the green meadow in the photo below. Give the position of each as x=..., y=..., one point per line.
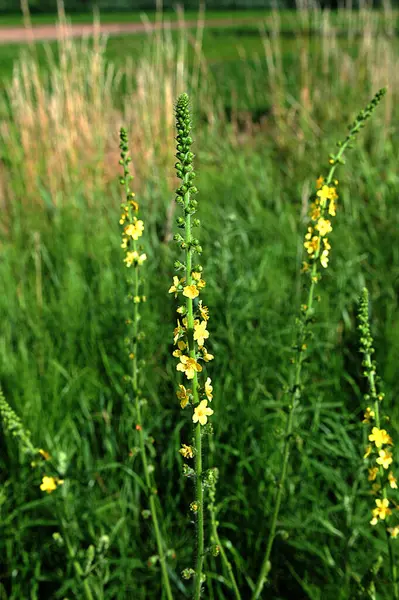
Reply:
x=269, y=102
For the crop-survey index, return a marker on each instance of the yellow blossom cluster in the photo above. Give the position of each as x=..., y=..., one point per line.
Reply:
x=132, y=232
x=382, y=511
x=380, y=473
x=190, y=349
x=316, y=243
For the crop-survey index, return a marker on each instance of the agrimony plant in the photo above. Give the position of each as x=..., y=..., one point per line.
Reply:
x=191, y=331
x=317, y=245
x=132, y=231
x=378, y=455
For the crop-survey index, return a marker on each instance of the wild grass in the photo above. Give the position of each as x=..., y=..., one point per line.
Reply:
x=62, y=353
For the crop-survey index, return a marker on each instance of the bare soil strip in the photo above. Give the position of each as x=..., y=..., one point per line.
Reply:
x=40, y=33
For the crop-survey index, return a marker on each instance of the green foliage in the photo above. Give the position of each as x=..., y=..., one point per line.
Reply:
x=63, y=358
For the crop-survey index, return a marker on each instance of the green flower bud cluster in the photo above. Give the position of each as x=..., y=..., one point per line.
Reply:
x=13, y=425
x=356, y=126
x=366, y=342
x=185, y=172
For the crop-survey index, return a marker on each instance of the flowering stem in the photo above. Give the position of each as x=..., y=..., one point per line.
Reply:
x=133, y=258
x=191, y=335
x=197, y=428
x=370, y=374
x=302, y=334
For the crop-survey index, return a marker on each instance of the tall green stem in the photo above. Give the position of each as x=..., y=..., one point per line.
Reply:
x=197, y=428
x=295, y=391
x=151, y=491
x=370, y=370
x=215, y=535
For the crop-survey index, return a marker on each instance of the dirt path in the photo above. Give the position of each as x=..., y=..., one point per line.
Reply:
x=9, y=35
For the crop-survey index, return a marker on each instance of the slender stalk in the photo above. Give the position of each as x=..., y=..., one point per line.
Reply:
x=307, y=312
x=191, y=333
x=132, y=232
x=197, y=428
x=218, y=548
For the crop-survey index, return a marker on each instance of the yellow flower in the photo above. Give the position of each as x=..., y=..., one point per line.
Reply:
x=392, y=481
x=206, y=355
x=178, y=331
x=323, y=226
x=324, y=194
x=333, y=192
x=134, y=257
x=200, y=333
x=200, y=283
x=324, y=259
x=183, y=395
x=308, y=235
x=204, y=311
x=367, y=452
x=208, y=389
x=394, y=531
x=190, y=291
x=186, y=451
x=380, y=437
x=49, y=484
x=368, y=415
x=305, y=267
x=181, y=346
x=315, y=211
x=373, y=473
x=181, y=310
x=312, y=245
x=382, y=511
x=332, y=208
x=45, y=454
x=319, y=182
x=134, y=205
x=202, y=412
x=188, y=366
x=174, y=288
x=385, y=458
x=135, y=229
